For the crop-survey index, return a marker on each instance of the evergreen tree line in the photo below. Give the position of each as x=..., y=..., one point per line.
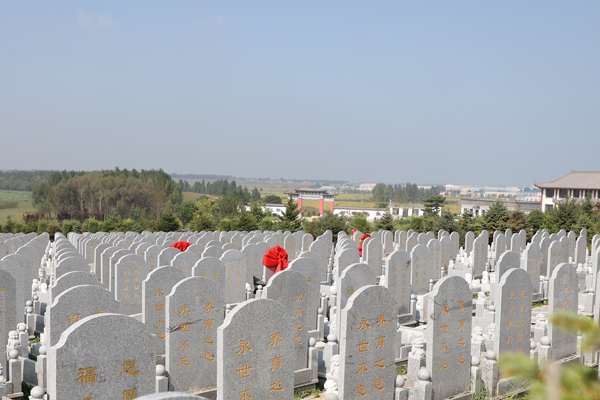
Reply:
x=221, y=187
x=402, y=194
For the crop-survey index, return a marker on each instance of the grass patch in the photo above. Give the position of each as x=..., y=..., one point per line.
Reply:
x=23, y=206
x=4, y=204
x=539, y=304
x=301, y=394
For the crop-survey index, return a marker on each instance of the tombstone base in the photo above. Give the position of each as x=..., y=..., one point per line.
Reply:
x=209, y=394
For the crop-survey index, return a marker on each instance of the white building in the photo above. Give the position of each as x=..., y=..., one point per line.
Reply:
x=576, y=185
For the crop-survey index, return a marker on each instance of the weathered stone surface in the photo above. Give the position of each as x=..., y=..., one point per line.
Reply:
x=256, y=363
x=104, y=356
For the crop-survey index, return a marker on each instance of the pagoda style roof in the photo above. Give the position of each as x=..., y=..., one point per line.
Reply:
x=309, y=191
x=574, y=180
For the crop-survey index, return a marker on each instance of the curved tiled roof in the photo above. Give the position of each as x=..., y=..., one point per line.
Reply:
x=574, y=180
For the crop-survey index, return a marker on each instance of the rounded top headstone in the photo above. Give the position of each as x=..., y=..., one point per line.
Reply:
x=13, y=354
x=36, y=298
x=320, y=311
x=37, y=392
x=400, y=381
x=492, y=307
x=490, y=355
x=475, y=361
x=423, y=374
x=42, y=350
x=333, y=290
x=545, y=340
x=22, y=327
x=312, y=342
x=332, y=337
x=29, y=310
x=28, y=303
x=532, y=345
x=160, y=370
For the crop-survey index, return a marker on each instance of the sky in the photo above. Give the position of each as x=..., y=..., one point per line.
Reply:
x=454, y=92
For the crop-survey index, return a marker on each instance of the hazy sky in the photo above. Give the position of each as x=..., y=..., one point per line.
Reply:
x=480, y=92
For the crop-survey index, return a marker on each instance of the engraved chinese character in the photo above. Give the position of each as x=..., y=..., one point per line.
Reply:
x=444, y=346
x=209, y=306
x=351, y=290
x=378, y=384
x=524, y=293
x=275, y=339
x=361, y=390
x=129, y=368
x=363, y=324
x=129, y=394
x=443, y=365
x=184, y=310
x=444, y=328
x=362, y=368
x=74, y=318
x=362, y=346
x=159, y=322
x=185, y=327
x=209, y=323
x=461, y=342
x=299, y=298
x=276, y=363
x=462, y=306
x=378, y=363
x=244, y=371
x=381, y=321
x=159, y=307
x=208, y=340
x=461, y=324
x=380, y=341
x=510, y=340
x=461, y=359
x=512, y=310
x=512, y=295
x=276, y=387
x=184, y=345
x=246, y=395
x=445, y=309
x=243, y=347
x=208, y=357
x=511, y=324
x=298, y=312
x=86, y=375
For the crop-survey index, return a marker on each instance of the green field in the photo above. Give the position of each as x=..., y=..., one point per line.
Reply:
x=23, y=205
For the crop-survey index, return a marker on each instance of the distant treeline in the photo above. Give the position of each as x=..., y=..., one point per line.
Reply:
x=402, y=194
x=202, y=176
x=80, y=195
x=23, y=180
x=221, y=187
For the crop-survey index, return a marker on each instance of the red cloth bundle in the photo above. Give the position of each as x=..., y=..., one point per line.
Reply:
x=182, y=246
x=360, y=242
x=276, y=257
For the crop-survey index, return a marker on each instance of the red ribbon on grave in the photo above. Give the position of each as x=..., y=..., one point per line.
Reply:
x=277, y=258
x=182, y=246
x=360, y=242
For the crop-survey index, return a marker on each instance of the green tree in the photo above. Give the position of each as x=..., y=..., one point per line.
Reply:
x=386, y=222
x=202, y=222
x=273, y=199
x=535, y=220
x=446, y=221
x=256, y=195
x=360, y=222
x=496, y=218
x=329, y=221
x=566, y=214
x=246, y=222
x=289, y=220
x=227, y=206
x=168, y=223
x=571, y=381
x=517, y=220
x=185, y=211
x=226, y=224
x=434, y=204
x=381, y=195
